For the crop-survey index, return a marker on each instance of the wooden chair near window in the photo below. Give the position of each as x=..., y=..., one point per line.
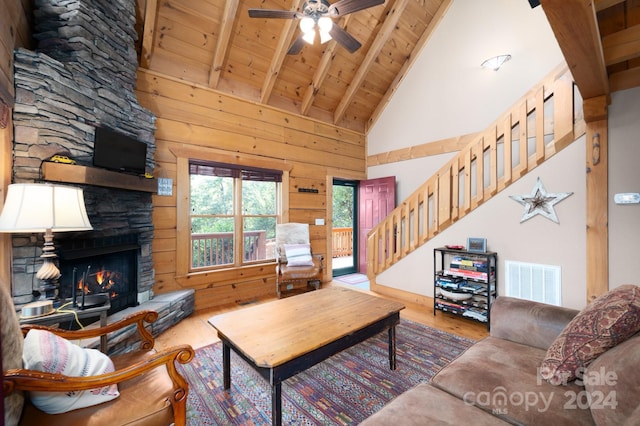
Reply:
x=151, y=390
x=297, y=268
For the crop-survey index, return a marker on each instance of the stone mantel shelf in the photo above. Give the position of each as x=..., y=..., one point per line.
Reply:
x=72, y=173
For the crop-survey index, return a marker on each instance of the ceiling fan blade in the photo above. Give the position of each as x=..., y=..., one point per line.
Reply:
x=271, y=13
x=344, y=7
x=296, y=46
x=344, y=38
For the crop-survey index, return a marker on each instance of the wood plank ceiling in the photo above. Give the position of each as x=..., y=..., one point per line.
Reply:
x=214, y=43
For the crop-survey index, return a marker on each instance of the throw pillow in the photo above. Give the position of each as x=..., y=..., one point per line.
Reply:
x=610, y=319
x=44, y=351
x=298, y=254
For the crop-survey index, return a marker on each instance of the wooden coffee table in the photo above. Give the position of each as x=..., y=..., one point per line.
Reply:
x=280, y=339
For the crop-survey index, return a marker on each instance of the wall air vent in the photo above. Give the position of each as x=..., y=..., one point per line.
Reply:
x=540, y=283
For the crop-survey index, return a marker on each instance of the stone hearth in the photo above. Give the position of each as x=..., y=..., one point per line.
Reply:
x=171, y=308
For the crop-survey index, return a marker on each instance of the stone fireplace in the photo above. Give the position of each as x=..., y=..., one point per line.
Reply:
x=106, y=265
x=82, y=76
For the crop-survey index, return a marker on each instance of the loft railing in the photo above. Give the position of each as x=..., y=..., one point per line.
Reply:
x=216, y=248
x=542, y=123
x=342, y=242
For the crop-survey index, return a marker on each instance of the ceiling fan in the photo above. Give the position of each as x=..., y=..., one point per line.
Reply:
x=316, y=19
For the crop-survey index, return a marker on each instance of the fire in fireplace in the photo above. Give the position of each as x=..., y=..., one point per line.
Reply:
x=100, y=266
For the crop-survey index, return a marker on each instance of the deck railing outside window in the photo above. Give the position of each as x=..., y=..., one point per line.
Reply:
x=216, y=248
x=342, y=242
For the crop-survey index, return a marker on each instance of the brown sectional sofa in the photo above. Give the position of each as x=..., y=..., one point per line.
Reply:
x=497, y=380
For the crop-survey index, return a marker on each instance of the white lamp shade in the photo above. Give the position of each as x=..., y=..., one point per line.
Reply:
x=325, y=24
x=324, y=37
x=307, y=24
x=309, y=37
x=36, y=207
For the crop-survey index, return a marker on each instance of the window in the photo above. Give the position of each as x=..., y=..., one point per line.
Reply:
x=233, y=214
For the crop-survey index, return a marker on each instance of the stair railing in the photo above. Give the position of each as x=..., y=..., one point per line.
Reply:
x=540, y=124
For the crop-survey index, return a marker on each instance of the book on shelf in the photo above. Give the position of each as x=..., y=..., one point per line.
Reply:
x=475, y=313
x=449, y=285
x=469, y=264
x=468, y=274
x=451, y=307
x=448, y=278
x=473, y=287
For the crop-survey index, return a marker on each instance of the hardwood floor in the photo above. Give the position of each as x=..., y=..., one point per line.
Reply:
x=196, y=331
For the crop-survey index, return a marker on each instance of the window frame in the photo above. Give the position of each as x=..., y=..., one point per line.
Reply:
x=183, y=232
x=239, y=175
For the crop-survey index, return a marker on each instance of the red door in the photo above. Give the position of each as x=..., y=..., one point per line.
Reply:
x=376, y=199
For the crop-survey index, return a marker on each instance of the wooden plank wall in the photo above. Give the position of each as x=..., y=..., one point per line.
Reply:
x=197, y=121
x=14, y=32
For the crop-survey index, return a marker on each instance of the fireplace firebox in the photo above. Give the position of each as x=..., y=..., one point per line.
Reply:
x=106, y=265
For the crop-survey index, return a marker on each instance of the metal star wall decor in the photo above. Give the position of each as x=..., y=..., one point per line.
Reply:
x=540, y=202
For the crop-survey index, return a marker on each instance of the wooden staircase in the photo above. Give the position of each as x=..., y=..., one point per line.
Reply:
x=540, y=124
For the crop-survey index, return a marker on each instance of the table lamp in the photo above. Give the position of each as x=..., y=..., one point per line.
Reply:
x=48, y=208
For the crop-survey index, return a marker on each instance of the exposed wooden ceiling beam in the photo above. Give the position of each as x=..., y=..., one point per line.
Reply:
x=150, y=13
x=624, y=80
x=281, y=52
x=230, y=9
x=622, y=46
x=321, y=71
x=579, y=40
x=428, y=149
x=604, y=4
x=424, y=39
x=380, y=40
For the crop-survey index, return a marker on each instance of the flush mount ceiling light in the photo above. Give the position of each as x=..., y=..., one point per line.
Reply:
x=496, y=62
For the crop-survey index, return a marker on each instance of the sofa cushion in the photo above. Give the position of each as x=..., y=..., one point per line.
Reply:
x=538, y=324
x=607, y=321
x=612, y=383
x=502, y=377
x=44, y=351
x=426, y=405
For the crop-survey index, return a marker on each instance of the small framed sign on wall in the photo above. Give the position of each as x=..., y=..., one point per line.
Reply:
x=478, y=245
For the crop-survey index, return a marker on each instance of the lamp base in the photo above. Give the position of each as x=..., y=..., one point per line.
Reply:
x=49, y=272
x=49, y=291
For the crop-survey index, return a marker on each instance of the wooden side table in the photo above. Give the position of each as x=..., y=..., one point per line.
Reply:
x=68, y=315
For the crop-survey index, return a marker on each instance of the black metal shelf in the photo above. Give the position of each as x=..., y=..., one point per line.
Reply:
x=457, y=282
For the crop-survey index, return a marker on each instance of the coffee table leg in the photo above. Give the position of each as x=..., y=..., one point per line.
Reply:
x=392, y=348
x=226, y=365
x=276, y=405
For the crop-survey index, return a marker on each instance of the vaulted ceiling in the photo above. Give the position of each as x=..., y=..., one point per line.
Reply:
x=214, y=43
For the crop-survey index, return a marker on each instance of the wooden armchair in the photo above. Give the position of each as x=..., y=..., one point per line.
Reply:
x=152, y=392
x=293, y=275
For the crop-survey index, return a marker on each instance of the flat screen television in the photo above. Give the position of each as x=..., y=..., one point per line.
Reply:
x=116, y=151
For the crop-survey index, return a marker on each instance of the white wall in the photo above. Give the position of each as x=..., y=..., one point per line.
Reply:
x=435, y=103
x=537, y=240
x=624, y=176
x=446, y=93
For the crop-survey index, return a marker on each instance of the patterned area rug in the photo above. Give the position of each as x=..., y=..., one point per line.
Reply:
x=343, y=390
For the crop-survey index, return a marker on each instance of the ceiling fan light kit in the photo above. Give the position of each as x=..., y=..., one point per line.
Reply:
x=316, y=19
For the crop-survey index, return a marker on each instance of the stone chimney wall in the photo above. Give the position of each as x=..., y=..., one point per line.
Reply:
x=82, y=75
